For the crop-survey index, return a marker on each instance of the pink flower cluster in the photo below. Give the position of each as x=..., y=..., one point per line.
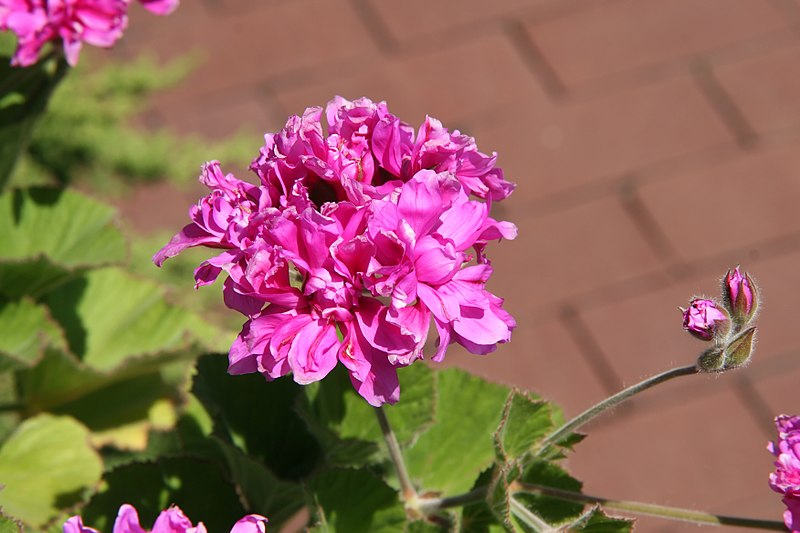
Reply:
x=73, y=22
x=786, y=478
x=352, y=244
x=171, y=520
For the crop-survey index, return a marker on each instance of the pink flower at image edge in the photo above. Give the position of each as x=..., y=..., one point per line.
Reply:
x=71, y=22
x=786, y=478
x=171, y=520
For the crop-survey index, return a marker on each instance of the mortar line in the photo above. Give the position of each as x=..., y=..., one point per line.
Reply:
x=722, y=103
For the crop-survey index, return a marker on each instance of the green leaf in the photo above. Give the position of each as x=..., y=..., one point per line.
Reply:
x=24, y=93
x=596, y=521
x=9, y=525
x=134, y=401
x=525, y=421
x=468, y=409
x=355, y=501
x=25, y=330
x=50, y=235
x=345, y=424
x=260, y=490
x=478, y=517
x=46, y=465
x=550, y=509
x=257, y=416
x=198, y=487
x=111, y=317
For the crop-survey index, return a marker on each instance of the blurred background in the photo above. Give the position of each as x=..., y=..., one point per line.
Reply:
x=654, y=144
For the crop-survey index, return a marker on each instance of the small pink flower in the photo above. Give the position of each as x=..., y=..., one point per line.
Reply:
x=72, y=22
x=786, y=478
x=741, y=295
x=171, y=520
x=703, y=318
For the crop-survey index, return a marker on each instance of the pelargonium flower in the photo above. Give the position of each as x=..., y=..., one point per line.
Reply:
x=171, y=520
x=73, y=22
x=352, y=247
x=741, y=295
x=786, y=478
x=704, y=318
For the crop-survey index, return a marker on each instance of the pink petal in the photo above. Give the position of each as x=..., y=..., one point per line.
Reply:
x=160, y=7
x=252, y=523
x=75, y=525
x=373, y=377
x=313, y=353
x=127, y=520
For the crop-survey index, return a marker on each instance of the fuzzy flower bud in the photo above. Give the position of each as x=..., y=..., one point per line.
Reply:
x=741, y=296
x=704, y=319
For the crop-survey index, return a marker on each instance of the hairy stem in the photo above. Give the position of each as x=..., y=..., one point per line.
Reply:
x=530, y=519
x=408, y=491
x=568, y=428
x=648, y=509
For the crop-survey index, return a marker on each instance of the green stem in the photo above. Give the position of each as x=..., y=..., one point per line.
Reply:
x=660, y=511
x=530, y=519
x=568, y=428
x=408, y=491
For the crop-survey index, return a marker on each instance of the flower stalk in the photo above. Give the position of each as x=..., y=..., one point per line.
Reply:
x=573, y=425
x=407, y=489
x=648, y=509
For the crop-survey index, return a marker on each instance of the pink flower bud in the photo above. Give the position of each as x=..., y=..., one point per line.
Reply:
x=741, y=296
x=704, y=319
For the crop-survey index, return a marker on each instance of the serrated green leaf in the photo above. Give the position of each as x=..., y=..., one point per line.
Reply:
x=260, y=490
x=46, y=465
x=25, y=330
x=111, y=317
x=119, y=408
x=596, y=521
x=9, y=525
x=338, y=407
x=468, y=409
x=198, y=487
x=525, y=421
x=498, y=496
x=257, y=416
x=24, y=93
x=49, y=235
x=550, y=509
x=478, y=517
x=355, y=501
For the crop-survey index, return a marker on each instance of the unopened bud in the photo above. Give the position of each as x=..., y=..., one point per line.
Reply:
x=733, y=354
x=739, y=350
x=712, y=360
x=705, y=319
x=741, y=296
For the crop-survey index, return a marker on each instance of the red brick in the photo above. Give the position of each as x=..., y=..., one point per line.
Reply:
x=550, y=149
x=218, y=116
x=566, y=253
x=635, y=33
x=541, y=358
x=439, y=83
x=414, y=18
x=777, y=320
x=706, y=456
x=729, y=206
x=257, y=45
x=765, y=88
x=779, y=391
